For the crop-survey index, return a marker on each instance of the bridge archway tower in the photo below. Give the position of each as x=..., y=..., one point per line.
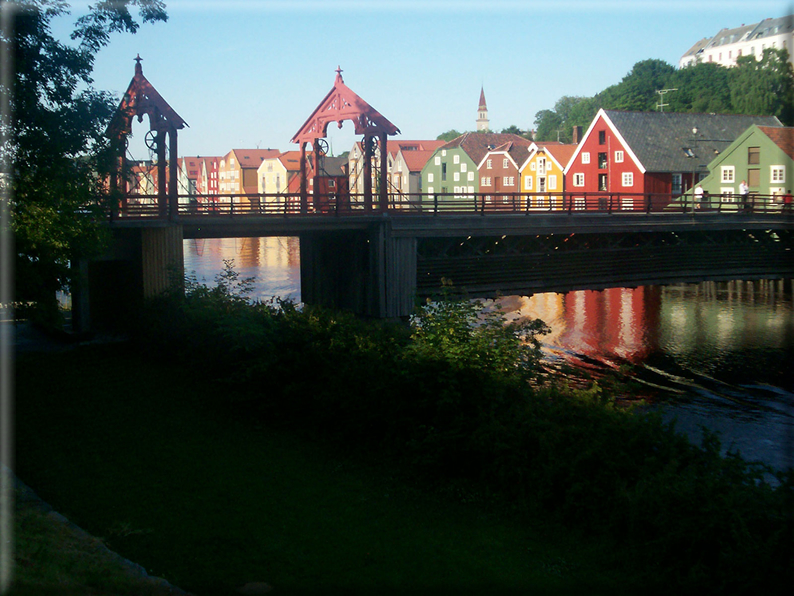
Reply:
x=341, y=104
x=142, y=99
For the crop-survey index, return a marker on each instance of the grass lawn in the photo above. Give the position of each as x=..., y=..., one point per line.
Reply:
x=170, y=476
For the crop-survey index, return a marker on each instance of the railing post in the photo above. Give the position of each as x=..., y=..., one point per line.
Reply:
x=435, y=204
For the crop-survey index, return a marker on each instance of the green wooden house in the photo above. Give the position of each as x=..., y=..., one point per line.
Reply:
x=761, y=155
x=451, y=172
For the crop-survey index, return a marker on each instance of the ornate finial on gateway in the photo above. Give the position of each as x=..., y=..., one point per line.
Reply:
x=339, y=74
x=138, y=68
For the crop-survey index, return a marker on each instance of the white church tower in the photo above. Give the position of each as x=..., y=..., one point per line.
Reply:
x=482, y=113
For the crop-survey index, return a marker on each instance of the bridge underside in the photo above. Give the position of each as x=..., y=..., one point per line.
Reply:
x=531, y=264
x=379, y=270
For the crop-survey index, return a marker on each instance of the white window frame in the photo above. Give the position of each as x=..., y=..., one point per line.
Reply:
x=456, y=159
x=618, y=156
x=504, y=162
x=551, y=182
x=773, y=171
x=533, y=166
x=578, y=179
x=627, y=179
x=430, y=190
x=510, y=181
x=579, y=204
x=528, y=183
x=463, y=167
x=437, y=160
x=470, y=176
x=488, y=164
x=727, y=174
x=727, y=194
x=585, y=157
x=430, y=176
x=456, y=176
x=627, y=203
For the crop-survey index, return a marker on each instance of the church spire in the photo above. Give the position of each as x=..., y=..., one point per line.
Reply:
x=482, y=113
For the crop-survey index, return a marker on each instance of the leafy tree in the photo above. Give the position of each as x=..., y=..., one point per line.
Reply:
x=449, y=135
x=764, y=86
x=547, y=123
x=637, y=90
x=514, y=130
x=53, y=140
x=702, y=88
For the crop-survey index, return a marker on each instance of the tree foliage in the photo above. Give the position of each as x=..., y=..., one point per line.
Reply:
x=448, y=135
x=759, y=87
x=53, y=139
x=764, y=86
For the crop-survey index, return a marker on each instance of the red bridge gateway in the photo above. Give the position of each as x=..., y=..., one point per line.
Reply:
x=341, y=104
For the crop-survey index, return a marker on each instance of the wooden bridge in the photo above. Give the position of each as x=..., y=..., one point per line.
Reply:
x=376, y=260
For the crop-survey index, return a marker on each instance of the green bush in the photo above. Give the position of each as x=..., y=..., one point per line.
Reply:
x=451, y=397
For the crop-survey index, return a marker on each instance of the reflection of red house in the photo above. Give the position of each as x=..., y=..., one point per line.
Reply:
x=613, y=323
x=649, y=153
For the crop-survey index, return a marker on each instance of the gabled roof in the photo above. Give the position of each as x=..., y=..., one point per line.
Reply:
x=291, y=160
x=140, y=99
x=783, y=137
x=482, y=99
x=665, y=142
x=253, y=158
x=340, y=104
x=560, y=153
x=477, y=144
x=415, y=160
x=396, y=146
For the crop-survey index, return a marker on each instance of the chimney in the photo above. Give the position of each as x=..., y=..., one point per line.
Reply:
x=577, y=134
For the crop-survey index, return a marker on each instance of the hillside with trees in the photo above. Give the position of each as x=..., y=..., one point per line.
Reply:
x=760, y=87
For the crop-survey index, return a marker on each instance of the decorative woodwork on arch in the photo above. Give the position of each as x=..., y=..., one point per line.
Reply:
x=142, y=99
x=341, y=104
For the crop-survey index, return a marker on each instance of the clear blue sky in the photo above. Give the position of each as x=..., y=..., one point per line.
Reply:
x=247, y=73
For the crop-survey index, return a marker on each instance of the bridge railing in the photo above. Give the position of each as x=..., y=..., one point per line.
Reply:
x=437, y=204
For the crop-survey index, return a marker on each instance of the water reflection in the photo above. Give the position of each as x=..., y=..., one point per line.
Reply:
x=716, y=354
x=273, y=261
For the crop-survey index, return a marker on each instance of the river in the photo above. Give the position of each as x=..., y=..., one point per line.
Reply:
x=715, y=354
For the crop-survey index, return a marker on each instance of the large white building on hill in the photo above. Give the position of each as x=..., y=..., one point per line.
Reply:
x=729, y=44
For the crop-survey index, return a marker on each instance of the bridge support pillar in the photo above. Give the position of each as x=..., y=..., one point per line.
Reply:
x=370, y=273
x=139, y=264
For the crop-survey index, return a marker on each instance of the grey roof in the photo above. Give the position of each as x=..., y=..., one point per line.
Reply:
x=769, y=27
x=660, y=140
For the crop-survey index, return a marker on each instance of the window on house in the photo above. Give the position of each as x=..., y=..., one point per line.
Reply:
x=578, y=179
x=753, y=177
x=437, y=160
x=471, y=176
x=463, y=167
x=602, y=182
x=618, y=156
x=602, y=137
x=777, y=174
x=430, y=176
x=488, y=164
x=430, y=190
x=552, y=182
x=628, y=178
x=504, y=163
x=444, y=171
x=456, y=176
x=602, y=161
x=728, y=174
x=676, y=185
x=528, y=183
x=541, y=185
x=443, y=153
x=586, y=157
x=753, y=155
x=456, y=159
x=533, y=166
